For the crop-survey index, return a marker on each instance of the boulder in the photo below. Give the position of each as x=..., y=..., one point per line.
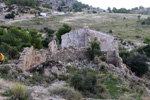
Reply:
x=55, y=70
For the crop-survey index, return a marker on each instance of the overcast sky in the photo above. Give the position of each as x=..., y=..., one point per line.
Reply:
x=117, y=3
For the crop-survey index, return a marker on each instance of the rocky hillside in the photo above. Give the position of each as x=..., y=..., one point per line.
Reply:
x=69, y=5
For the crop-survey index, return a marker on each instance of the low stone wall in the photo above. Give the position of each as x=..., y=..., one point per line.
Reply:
x=69, y=54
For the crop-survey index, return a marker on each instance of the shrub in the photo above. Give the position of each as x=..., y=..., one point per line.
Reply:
x=15, y=39
x=86, y=82
x=94, y=50
x=49, y=31
x=10, y=51
x=94, y=11
x=103, y=58
x=110, y=31
x=67, y=93
x=4, y=70
x=9, y=16
x=62, y=30
x=6, y=61
x=2, y=31
x=19, y=92
x=144, y=50
x=35, y=39
x=145, y=21
x=124, y=55
x=146, y=40
x=137, y=63
x=47, y=6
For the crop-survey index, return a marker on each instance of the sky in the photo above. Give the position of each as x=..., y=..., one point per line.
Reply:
x=104, y=4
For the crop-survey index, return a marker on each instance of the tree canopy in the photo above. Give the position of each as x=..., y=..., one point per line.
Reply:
x=32, y=3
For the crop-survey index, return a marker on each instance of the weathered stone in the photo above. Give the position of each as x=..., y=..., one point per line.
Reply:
x=55, y=70
x=81, y=38
x=30, y=58
x=69, y=54
x=53, y=47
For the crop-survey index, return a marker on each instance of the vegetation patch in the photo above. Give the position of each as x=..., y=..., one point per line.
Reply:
x=67, y=93
x=18, y=92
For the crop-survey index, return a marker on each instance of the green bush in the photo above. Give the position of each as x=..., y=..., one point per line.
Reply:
x=86, y=82
x=49, y=32
x=146, y=40
x=18, y=92
x=103, y=58
x=144, y=50
x=78, y=6
x=47, y=6
x=10, y=51
x=145, y=21
x=15, y=39
x=94, y=50
x=110, y=31
x=4, y=70
x=124, y=55
x=137, y=64
x=94, y=11
x=62, y=30
x=32, y=3
x=35, y=39
x=9, y=16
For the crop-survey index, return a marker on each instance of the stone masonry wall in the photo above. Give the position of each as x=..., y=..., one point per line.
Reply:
x=30, y=58
x=81, y=38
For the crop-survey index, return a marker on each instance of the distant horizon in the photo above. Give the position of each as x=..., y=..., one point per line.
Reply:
x=128, y=4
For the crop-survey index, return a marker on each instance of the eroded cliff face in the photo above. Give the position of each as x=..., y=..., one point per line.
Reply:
x=30, y=58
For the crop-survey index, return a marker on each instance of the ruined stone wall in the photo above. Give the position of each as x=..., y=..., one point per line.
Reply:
x=30, y=58
x=69, y=54
x=83, y=37
x=76, y=38
x=53, y=47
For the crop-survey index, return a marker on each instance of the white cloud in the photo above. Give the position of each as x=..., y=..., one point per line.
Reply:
x=117, y=3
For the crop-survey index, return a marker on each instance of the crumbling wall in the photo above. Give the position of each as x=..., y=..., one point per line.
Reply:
x=30, y=58
x=69, y=54
x=53, y=47
x=76, y=38
x=81, y=38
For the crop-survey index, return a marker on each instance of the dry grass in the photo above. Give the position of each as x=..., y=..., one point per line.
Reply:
x=67, y=93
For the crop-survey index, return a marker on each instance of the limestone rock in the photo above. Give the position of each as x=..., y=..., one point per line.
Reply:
x=54, y=70
x=51, y=68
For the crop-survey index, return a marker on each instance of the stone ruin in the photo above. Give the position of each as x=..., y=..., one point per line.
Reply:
x=81, y=38
x=30, y=58
x=72, y=48
x=52, y=47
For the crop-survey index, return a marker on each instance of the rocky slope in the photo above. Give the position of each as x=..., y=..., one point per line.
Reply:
x=70, y=5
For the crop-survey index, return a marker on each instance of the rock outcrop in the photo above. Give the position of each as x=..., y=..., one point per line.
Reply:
x=50, y=68
x=81, y=38
x=30, y=58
